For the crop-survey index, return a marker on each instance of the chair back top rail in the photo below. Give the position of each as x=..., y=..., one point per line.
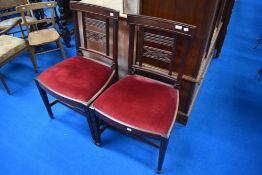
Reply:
x=159, y=41
x=36, y=6
x=98, y=23
x=162, y=24
x=8, y=7
x=7, y=4
x=23, y=9
x=94, y=9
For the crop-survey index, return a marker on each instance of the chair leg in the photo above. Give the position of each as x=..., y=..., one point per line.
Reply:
x=96, y=130
x=5, y=85
x=33, y=57
x=45, y=100
x=58, y=42
x=89, y=121
x=162, y=152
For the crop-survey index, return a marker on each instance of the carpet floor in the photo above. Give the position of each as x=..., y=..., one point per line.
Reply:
x=223, y=135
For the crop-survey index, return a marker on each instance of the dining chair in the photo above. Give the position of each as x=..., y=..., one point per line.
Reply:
x=78, y=81
x=145, y=103
x=11, y=47
x=9, y=15
x=41, y=37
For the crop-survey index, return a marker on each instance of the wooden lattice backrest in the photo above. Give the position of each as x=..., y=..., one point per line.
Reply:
x=97, y=24
x=23, y=9
x=158, y=40
x=9, y=6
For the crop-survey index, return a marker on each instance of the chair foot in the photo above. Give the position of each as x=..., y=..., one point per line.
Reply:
x=158, y=171
x=51, y=116
x=97, y=143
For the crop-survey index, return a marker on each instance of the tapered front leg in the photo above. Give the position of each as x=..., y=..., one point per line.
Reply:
x=45, y=100
x=95, y=124
x=162, y=152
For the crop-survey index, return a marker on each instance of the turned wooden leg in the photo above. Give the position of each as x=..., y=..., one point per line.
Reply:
x=59, y=44
x=162, y=152
x=5, y=85
x=65, y=33
x=45, y=100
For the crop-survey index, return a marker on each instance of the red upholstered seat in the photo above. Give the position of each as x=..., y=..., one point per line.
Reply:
x=77, y=77
x=140, y=103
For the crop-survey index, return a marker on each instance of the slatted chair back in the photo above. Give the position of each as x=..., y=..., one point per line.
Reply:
x=99, y=27
x=23, y=9
x=7, y=7
x=159, y=41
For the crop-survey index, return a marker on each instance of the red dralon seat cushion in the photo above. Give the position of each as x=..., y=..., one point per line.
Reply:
x=140, y=103
x=77, y=77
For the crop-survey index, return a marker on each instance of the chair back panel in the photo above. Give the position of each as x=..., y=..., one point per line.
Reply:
x=98, y=23
x=6, y=4
x=158, y=41
x=7, y=7
x=24, y=9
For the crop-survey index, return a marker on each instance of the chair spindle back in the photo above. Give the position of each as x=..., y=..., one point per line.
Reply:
x=23, y=9
x=97, y=24
x=157, y=41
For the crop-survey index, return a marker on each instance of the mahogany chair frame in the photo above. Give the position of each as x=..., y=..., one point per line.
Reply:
x=138, y=27
x=4, y=32
x=95, y=12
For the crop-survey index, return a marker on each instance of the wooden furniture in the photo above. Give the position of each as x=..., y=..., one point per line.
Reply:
x=8, y=12
x=65, y=13
x=207, y=16
x=141, y=106
x=225, y=14
x=78, y=81
x=43, y=36
x=10, y=47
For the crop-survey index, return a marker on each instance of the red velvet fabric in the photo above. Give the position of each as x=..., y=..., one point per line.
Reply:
x=140, y=102
x=76, y=77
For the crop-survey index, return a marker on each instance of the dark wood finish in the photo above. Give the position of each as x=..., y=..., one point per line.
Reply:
x=63, y=7
x=157, y=40
x=45, y=100
x=153, y=41
x=90, y=17
x=206, y=15
x=225, y=18
x=199, y=13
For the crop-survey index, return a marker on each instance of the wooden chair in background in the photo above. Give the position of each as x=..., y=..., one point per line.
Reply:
x=78, y=81
x=145, y=103
x=43, y=36
x=10, y=47
x=9, y=15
